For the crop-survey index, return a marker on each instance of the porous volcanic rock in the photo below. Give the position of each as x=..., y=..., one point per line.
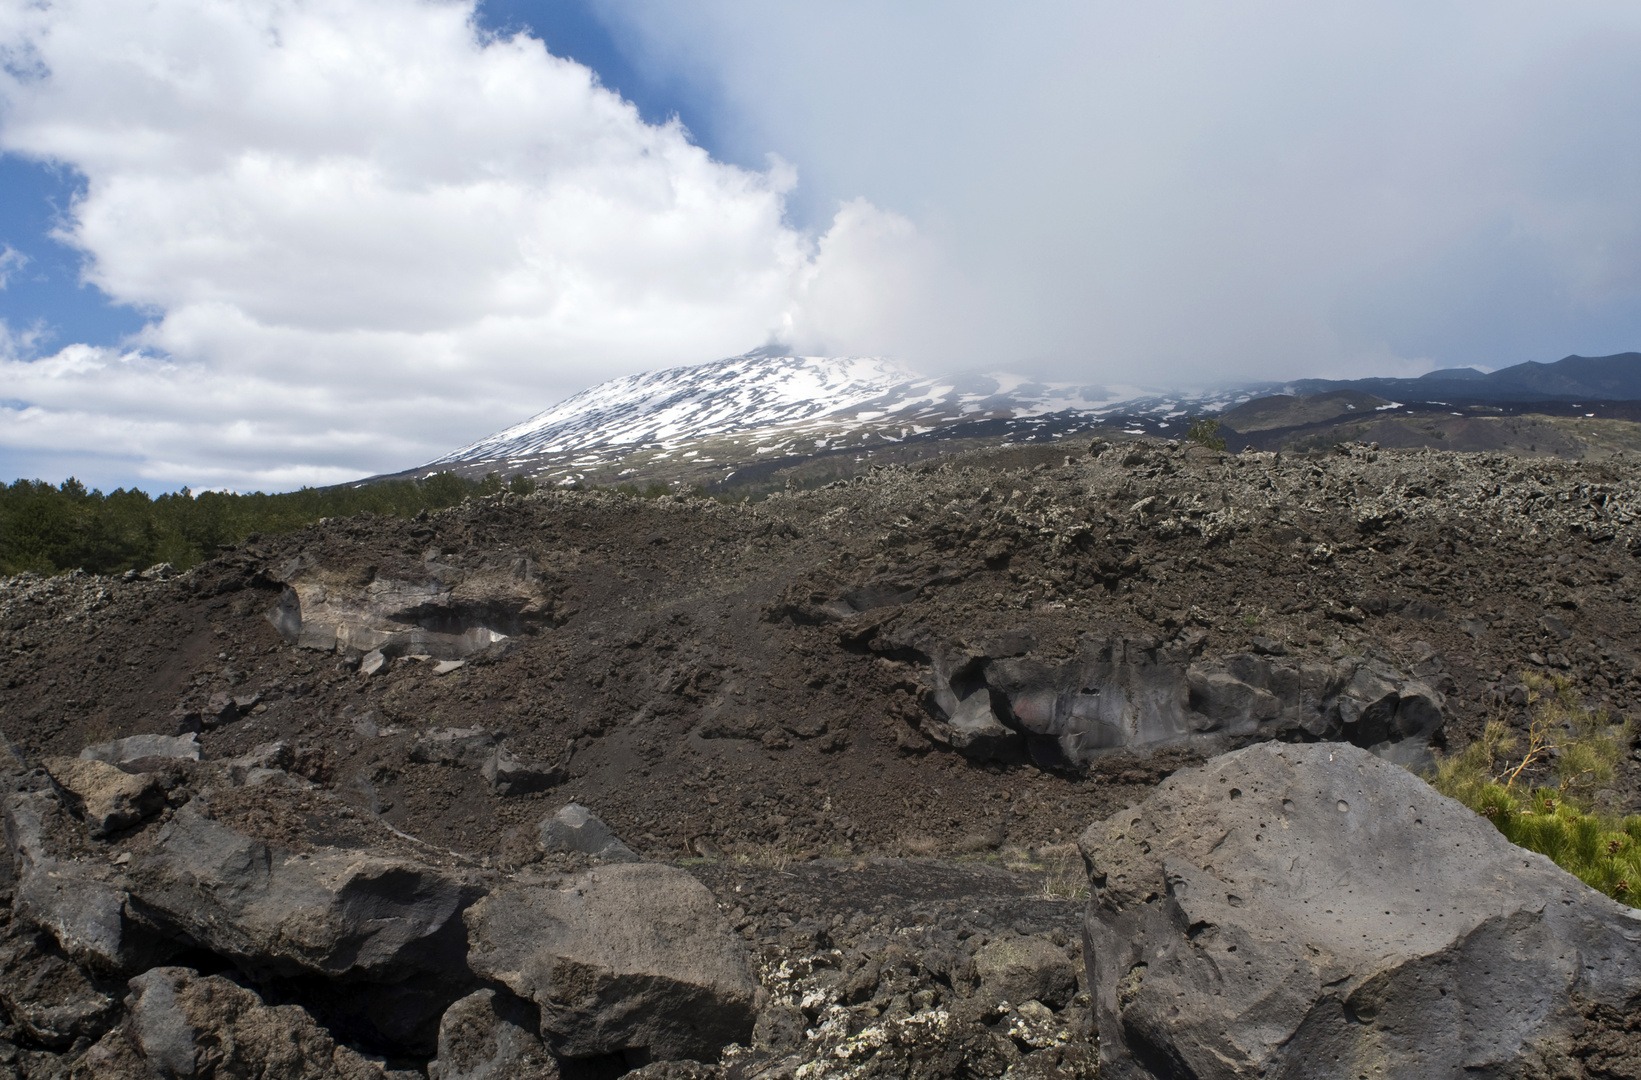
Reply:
x=626, y=958
x=1316, y=911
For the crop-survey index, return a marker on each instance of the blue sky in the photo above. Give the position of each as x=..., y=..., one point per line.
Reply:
x=576, y=29
x=45, y=291
x=257, y=246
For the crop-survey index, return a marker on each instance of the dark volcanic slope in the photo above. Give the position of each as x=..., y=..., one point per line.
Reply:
x=1591, y=431
x=719, y=691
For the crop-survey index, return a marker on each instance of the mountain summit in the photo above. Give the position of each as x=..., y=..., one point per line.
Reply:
x=746, y=418
x=771, y=402
x=762, y=388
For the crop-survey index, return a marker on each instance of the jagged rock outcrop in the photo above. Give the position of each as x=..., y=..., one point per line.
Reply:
x=68, y=888
x=1315, y=911
x=195, y=881
x=140, y=747
x=628, y=958
x=445, y=612
x=385, y=926
x=119, y=872
x=998, y=701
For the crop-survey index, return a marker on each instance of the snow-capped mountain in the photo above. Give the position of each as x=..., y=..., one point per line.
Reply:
x=757, y=390
x=769, y=390
x=721, y=418
x=745, y=419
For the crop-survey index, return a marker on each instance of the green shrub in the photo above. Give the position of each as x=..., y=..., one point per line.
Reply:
x=49, y=529
x=653, y=491
x=1205, y=432
x=1573, y=752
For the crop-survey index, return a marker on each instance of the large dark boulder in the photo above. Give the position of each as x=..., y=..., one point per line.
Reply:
x=185, y=1025
x=629, y=958
x=333, y=912
x=369, y=937
x=50, y=999
x=68, y=888
x=491, y=1035
x=1312, y=910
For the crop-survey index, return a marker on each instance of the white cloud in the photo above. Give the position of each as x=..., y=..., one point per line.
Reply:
x=11, y=261
x=875, y=286
x=1270, y=187
x=366, y=234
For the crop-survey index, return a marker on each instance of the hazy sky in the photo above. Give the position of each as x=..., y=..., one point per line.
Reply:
x=259, y=243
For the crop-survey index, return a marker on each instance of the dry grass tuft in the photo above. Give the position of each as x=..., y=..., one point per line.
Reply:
x=1064, y=876
x=919, y=847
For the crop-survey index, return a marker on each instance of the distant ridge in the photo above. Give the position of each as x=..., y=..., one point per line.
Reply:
x=1572, y=378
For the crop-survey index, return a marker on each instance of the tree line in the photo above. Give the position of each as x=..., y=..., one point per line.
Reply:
x=51, y=529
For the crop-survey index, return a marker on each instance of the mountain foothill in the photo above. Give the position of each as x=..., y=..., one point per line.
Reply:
x=843, y=722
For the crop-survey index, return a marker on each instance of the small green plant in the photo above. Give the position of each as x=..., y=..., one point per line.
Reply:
x=1205, y=432
x=1250, y=619
x=1572, y=752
